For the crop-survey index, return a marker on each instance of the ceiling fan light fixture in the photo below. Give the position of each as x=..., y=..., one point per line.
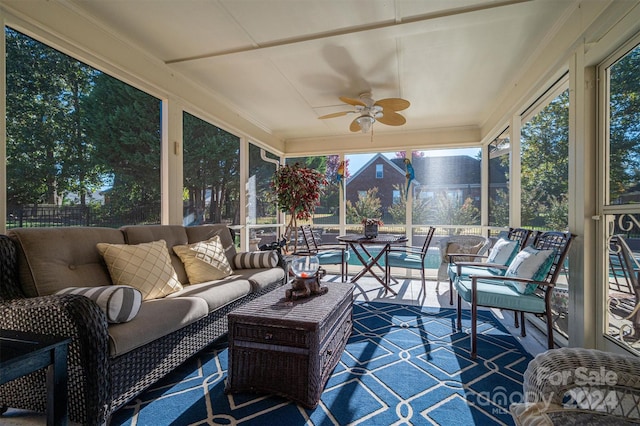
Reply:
x=365, y=122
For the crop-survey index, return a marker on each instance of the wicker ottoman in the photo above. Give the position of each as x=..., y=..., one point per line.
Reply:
x=289, y=348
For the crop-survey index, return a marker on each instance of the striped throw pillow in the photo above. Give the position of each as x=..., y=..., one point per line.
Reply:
x=255, y=259
x=121, y=303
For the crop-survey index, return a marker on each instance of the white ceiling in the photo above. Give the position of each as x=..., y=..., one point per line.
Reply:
x=284, y=63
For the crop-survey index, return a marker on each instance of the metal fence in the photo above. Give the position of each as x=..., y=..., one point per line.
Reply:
x=41, y=215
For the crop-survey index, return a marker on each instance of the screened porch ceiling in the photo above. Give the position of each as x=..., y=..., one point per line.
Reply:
x=283, y=63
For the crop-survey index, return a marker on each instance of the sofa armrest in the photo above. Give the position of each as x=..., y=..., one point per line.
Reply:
x=591, y=379
x=85, y=323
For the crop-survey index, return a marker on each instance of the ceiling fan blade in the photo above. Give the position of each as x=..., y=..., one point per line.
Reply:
x=395, y=104
x=392, y=118
x=335, y=114
x=353, y=102
x=355, y=126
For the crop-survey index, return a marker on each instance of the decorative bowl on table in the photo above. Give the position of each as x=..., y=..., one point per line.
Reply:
x=307, y=278
x=305, y=266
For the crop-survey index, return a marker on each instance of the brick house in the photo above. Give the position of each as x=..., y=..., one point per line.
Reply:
x=458, y=176
x=382, y=173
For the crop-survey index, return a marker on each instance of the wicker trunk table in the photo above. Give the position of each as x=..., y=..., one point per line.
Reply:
x=289, y=348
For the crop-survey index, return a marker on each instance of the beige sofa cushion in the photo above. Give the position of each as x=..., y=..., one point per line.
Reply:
x=145, y=266
x=155, y=319
x=51, y=259
x=261, y=278
x=216, y=293
x=204, y=261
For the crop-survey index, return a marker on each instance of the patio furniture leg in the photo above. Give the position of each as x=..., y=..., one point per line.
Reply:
x=451, y=292
x=474, y=322
x=459, y=314
x=523, y=332
x=516, y=321
x=549, y=329
x=387, y=270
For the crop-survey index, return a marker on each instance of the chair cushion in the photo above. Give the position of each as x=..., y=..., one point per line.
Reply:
x=529, y=263
x=499, y=295
x=331, y=257
x=204, y=261
x=502, y=253
x=145, y=266
x=404, y=260
x=120, y=303
x=255, y=259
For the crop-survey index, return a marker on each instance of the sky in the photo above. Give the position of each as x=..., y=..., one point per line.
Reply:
x=356, y=161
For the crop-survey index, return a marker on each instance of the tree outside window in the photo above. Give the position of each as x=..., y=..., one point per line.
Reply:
x=83, y=148
x=545, y=166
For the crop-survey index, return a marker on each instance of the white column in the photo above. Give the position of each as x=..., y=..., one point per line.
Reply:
x=171, y=162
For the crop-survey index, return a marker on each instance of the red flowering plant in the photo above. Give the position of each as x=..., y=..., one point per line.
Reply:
x=297, y=192
x=369, y=222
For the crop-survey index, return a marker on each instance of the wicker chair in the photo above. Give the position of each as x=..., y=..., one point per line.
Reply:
x=580, y=386
x=471, y=245
x=519, y=235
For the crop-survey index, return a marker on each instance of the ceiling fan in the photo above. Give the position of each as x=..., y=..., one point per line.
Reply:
x=385, y=111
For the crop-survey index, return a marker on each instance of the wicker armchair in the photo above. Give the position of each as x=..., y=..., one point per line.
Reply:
x=580, y=386
x=467, y=244
x=479, y=264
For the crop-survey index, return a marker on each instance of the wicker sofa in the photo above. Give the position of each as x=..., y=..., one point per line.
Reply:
x=109, y=364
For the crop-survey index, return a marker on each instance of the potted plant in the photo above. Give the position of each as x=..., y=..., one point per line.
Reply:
x=297, y=192
x=371, y=227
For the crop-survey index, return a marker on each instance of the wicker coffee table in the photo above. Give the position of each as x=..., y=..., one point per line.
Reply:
x=289, y=348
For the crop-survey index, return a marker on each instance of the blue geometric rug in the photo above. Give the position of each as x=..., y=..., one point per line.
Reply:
x=402, y=365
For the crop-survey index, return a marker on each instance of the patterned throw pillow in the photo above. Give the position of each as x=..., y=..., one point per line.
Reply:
x=255, y=259
x=527, y=264
x=145, y=266
x=204, y=261
x=121, y=303
x=503, y=251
